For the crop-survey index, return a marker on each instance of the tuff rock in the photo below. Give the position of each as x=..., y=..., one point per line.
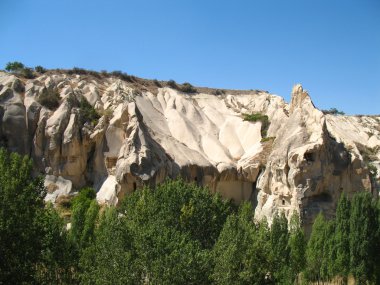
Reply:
x=145, y=135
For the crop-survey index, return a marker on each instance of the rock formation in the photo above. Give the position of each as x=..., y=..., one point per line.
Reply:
x=144, y=135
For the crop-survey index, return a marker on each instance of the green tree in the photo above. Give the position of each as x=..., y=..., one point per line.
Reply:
x=173, y=229
x=21, y=211
x=20, y=69
x=363, y=237
x=297, y=247
x=88, y=233
x=14, y=66
x=183, y=206
x=329, y=251
x=83, y=217
x=168, y=256
x=315, y=247
x=56, y=259
x=279, y=249
x=241, y=252
x=342, y=237
x=377, y=263
x=81, y=203
x=109, y=258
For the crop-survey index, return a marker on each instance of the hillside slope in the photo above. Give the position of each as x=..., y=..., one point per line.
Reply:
x=119, y=135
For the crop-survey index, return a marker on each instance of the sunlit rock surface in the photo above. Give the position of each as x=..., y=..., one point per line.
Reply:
x=145, y=135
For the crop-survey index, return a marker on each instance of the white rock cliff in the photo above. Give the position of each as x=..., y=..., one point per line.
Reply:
x=145, y=135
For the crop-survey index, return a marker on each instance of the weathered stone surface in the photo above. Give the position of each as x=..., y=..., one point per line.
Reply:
x=56, y=186
x=309, y=167
x=107, y=194
x=145, y=136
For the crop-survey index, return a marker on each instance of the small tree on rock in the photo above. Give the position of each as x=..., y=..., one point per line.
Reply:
x=14, y=66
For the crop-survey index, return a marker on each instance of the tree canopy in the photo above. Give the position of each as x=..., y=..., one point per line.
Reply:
x=176, y=233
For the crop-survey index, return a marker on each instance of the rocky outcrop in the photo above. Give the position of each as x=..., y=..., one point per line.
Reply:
x=143, y=135
x=309, y=166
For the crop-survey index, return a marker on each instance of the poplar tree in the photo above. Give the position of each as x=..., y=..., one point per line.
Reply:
x=342, y=236
x=363, y=238
x=314, y=251
x=297, y=247
x=279, y=239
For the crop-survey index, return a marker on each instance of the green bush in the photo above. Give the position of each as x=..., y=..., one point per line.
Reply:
x=258, y=117
x=372, y=169
x=157, y=83
x=333, y=111
x=267, y=139
x=77, y=70
x=116, y=73
x=218, y=92
x=122, y=75
x=14, y=66
x=40, y=69
x=188, y=88
x=20, y=69
x=185, y=87
x=82, y=71
x=49, y=99
x=172, y=84
x=27, y=73
x=88, y=113
x=104, y=73
x=255, y=117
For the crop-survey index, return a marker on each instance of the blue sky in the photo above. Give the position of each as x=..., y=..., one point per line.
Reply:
x=332, y=47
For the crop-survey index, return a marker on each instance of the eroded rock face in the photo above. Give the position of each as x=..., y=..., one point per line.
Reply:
x=142, y=137
x=309, y=166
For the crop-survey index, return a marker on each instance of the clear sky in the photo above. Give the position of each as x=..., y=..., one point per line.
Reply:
x=332, y=47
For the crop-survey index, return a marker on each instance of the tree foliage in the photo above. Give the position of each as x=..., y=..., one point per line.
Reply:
x=21, y=211
x=49, y=98
x=14, y=66
x=87, y=112
x=258, y=117
x=364, y=237
x=342, y=237
x=333, y=111
x=347, y=245
x=173, y=230
x=242, y=250
x=177, y=233
x=109, y=260
x=296, y=247
x=20, y=69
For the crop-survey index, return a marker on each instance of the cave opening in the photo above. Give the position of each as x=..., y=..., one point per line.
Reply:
x=254, y=193
x=309, y=156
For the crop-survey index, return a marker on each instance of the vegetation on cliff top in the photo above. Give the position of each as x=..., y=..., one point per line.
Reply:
x=21, y=70
x=258, y=117
x=332, y=111
x=178, y=233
